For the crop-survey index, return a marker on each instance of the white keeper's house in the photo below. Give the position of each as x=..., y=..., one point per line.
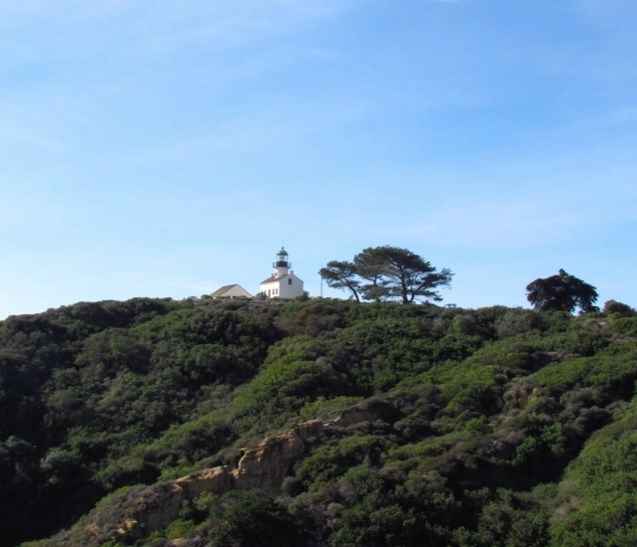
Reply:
x=283, y=283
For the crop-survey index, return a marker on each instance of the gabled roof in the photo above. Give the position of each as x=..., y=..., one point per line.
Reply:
x=274, y=278
x=226, y=288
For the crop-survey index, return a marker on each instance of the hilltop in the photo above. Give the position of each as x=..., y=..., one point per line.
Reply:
x=317, y=422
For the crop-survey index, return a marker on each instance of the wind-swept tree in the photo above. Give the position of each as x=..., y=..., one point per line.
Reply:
x=340, y=274
x=396, y=273
x=371, y=266
x=563, y=292
x=387, y=273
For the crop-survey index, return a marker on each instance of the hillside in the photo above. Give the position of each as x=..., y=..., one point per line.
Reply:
x=320, y=422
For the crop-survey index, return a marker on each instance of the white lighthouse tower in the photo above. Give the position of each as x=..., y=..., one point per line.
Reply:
x=283, y=283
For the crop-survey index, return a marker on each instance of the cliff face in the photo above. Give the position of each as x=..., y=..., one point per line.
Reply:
x=216, y=480
x=266, y=465
x=143, y=510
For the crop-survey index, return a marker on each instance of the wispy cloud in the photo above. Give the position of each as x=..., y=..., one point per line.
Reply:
x=164, y=24
x=534, y=216
x=602, y=12
x=21, y=136
x=497, y=225
x=617, y=117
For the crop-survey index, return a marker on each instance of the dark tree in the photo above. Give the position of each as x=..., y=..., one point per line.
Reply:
x=561, y=292
x=612, y=306
x=387, y=273
x=371, y=265
x=340, y=274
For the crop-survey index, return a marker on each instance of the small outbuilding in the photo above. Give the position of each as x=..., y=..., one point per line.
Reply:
x=231, y=291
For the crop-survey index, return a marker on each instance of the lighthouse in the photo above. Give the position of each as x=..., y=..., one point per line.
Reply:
x=282, y=265
x=283, y=283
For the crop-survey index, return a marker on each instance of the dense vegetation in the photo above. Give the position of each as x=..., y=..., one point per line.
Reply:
x=494, y=426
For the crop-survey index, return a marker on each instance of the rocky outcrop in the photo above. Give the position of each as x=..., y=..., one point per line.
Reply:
x=132, y=516
x=145, y=509
x=127, y=517
x=216, y=480
x=267, y=465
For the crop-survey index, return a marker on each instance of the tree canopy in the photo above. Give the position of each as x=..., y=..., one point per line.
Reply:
x=561, y=292
x=340, y=274
x=387, y=273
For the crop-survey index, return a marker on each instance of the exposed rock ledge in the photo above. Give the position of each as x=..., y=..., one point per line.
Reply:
x=145, y=509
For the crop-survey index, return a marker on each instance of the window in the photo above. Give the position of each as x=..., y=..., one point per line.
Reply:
x=289, y=281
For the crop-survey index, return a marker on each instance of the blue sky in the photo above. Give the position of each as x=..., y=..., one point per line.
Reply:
x=161, y=148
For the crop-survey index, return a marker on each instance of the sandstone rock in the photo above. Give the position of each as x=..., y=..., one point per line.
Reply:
x=216, y=480
x=164, y=509
x=266, y=465
x=143, y=510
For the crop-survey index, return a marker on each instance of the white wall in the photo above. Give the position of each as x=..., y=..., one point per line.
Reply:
x=283, y=288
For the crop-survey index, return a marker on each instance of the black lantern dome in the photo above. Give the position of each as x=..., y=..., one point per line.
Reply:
x=282, y=259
